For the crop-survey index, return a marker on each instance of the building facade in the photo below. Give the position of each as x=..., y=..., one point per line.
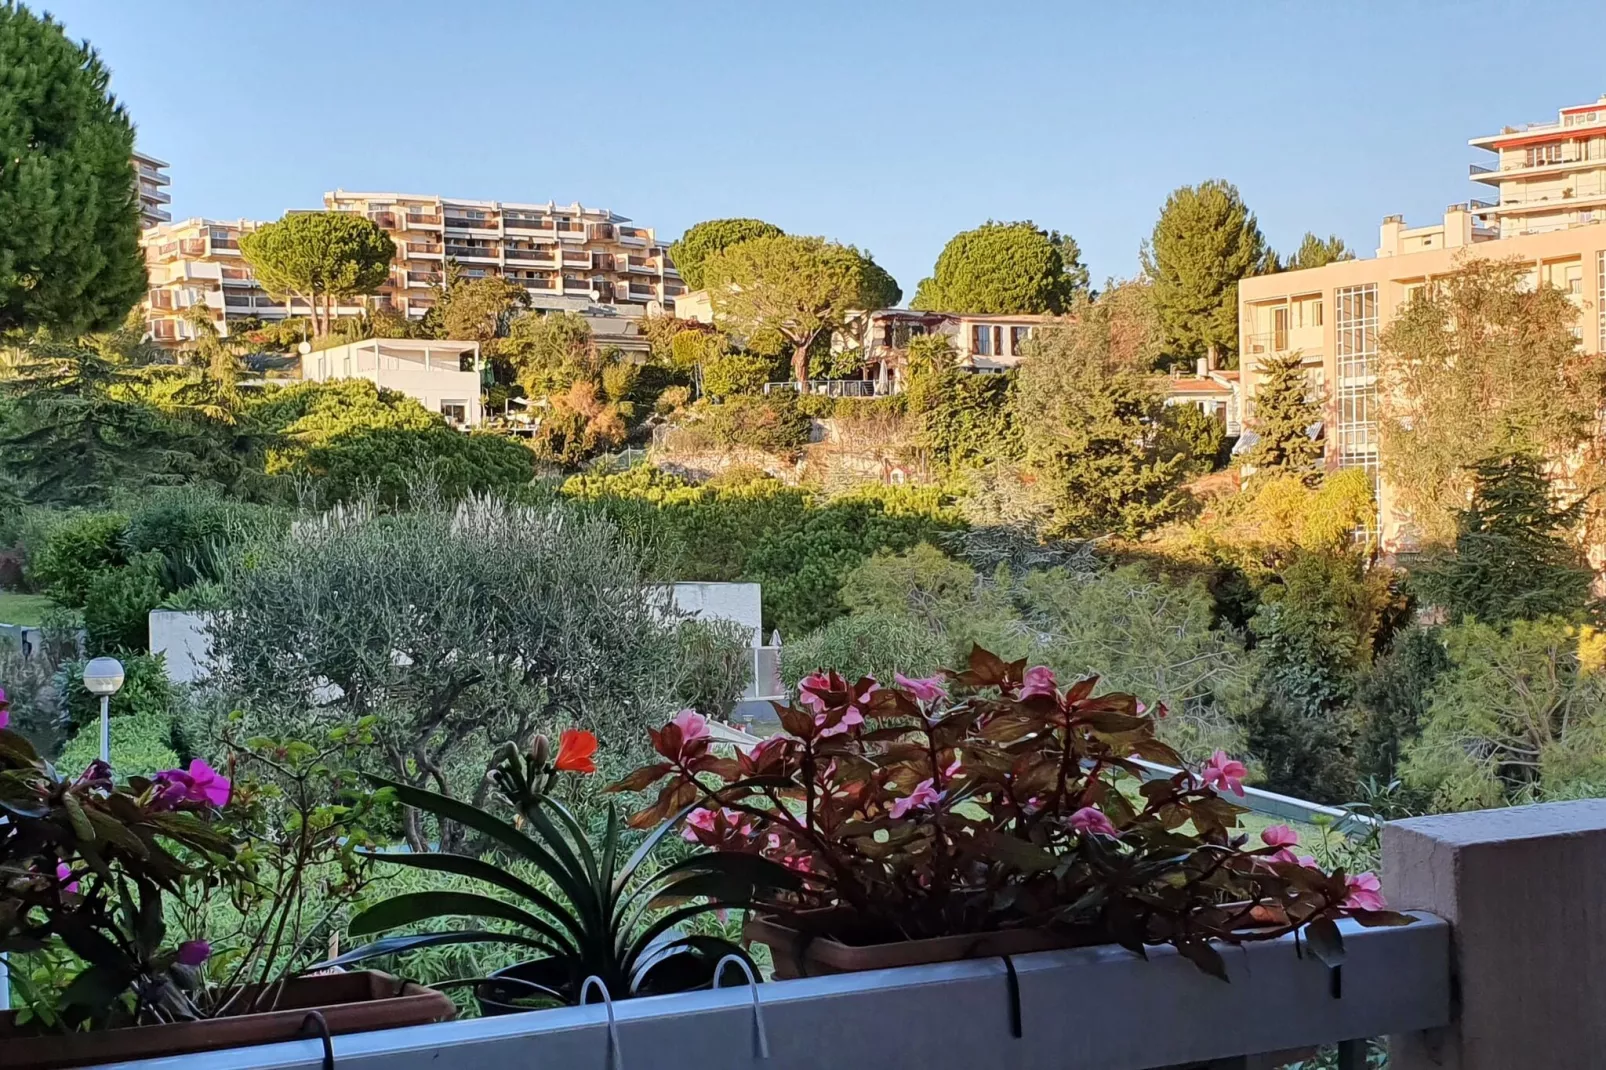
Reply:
x=443, y=376
x=1545, y=176
x=150, y=174
x=565, y=256
x=1334, y=316
x=197, y=261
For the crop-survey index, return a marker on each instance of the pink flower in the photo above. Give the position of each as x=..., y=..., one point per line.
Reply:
x=1279, y=836
x=807, y=696
x=1091, y=819
x=193, y=952
x=64, y=875
x=692, y=725
x=954, y=768
x=199, y=784
x=1365, y=893
x=700, y=818
x=1039, y=680
x=1224, y=773
x=1142, y=708
x=5, y=710
x=923, y=796
x=850, y=718
x=926, y=689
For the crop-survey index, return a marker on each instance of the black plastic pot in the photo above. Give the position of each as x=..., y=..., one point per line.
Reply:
x=499, y=993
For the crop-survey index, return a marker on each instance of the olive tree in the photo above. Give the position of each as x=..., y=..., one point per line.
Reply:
x=458, y=628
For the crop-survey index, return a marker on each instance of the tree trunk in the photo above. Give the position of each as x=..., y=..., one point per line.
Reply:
x=800, y=367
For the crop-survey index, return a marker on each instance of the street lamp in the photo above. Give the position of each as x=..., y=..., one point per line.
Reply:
x=103, y=676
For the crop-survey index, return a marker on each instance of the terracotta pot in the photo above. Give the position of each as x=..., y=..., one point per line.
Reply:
x=349, y=1002
x=796, y=955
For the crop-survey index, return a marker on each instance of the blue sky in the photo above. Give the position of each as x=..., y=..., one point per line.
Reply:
x=888, y=125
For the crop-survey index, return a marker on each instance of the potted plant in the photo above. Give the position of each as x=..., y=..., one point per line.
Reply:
x=92, y=872
x=606, y=915
x=1007, y=816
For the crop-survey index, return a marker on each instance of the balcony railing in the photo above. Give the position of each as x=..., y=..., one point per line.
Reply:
x=192, y=246
x=416, y=248
x=517, y=223
x=1479, y=169
x=237, y=300
x=225, y=243
x=577, y=259
x=482, y=252
x=576, y=284
x=162, y=299
x=419, y=219
x=423, y=278
x=535, y=256
x=472, y=222
x=836, y=388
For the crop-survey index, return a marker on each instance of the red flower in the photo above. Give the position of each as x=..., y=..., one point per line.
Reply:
x=575, y=748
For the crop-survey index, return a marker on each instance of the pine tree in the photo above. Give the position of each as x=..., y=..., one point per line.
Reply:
x=69, y=209
x=1512, y=558
x=1314, y=252
x=1284, y=414
x=1204, y=242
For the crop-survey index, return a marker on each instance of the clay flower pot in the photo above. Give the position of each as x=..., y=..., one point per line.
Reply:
x=349, y=1002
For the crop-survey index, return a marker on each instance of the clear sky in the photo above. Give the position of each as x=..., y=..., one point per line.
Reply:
x=888, y=125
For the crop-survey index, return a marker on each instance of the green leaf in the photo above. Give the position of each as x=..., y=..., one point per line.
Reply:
x=646, y=848
x=497, y=829
x=479, y=869
x=97, y=987
x=396, y=945
x=412, y=907
x=82, y=827
x=1325, y=941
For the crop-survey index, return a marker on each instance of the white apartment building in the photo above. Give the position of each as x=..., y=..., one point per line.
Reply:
x=567, y=257
x=1547, y=176
x=150, y=175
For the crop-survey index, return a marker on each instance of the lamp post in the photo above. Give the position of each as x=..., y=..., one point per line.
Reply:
x=103, y=676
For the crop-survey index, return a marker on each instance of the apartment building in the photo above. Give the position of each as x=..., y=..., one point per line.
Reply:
x=565, y=256
x=443, y=376
x=150, y=174
x=1546, y=176
x=197, y=261
x=1333, y=318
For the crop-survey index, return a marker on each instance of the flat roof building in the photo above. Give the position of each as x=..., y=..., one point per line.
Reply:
x=443, y=375
x=150, y=175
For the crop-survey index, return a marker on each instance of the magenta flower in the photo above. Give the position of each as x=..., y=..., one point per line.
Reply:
x=199, y=784
x=64, y=875
x=700, y=818
x=954, y=768
x=807, y=689
x=851, y=717
x=1365, y=893
x=5, y=710
x=1039, y=680
x=924, y=796
x=924, y=689
x=692, y=725
x=1279, y=836
x=1091, y=819
x=193, y=952
x=1224, y=773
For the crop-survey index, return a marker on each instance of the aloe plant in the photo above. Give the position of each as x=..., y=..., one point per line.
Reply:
x=608, y=915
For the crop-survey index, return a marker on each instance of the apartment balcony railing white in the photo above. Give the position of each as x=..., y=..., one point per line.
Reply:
x=836, y=388
x=417, y=219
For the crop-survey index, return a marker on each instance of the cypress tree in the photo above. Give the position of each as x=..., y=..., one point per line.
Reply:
x=1204, y=242
x=69, y=207
x=1283, y=417
x=1512, y=558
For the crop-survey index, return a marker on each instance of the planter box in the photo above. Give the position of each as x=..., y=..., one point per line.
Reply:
x=796, y=956
x=349, y=1003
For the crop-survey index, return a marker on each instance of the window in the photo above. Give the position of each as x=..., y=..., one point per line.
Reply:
x=456, y=412
x=1279, y=329
x=1018, y=337
x=1540, y=155
x=1355, y=336
x=981, y=340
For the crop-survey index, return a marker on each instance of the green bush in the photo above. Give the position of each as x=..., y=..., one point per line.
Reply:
x=865, y=644
x=118, y=603
x=146, y=690
x=140, y=746
x=731, y=374
x=772, y=423
x=193, y=530
x=74, y=550
x=715, y=661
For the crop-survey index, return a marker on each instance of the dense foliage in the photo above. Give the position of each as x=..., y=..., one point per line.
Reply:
x=319, y=258
x=693, y=249
x=69, y=244
x=1005, y=267
x=1285, y=415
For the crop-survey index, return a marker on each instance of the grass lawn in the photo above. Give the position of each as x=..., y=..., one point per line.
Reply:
x=25, y=609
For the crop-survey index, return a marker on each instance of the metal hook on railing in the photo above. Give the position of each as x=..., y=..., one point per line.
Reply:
x=615, y=1057
x=1013, y=981
x=315, y=1024
x=759, y=1031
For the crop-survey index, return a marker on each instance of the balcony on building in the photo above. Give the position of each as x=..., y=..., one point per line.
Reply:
x=457, y=219
x=633, y=236
x=572, y=283
x=442, y=375
x=422, y=279
x=528, y=223
x=416, y=220
x=233, y=276
x=427, y=250
x=481, y=253
x=543, y=257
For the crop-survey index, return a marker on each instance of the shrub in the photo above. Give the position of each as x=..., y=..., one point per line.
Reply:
x=118, y=603
x=141, y=745
x=74, y=550
x=191, y=528
x=731, y=374
x=865, y=644
x=715, y=662
x=672, y=399
x=922, y=582
x=1393, y=697
x=146, y=690
x=771, y=423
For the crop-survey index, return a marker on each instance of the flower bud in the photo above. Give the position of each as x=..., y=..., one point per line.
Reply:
x=540, y=748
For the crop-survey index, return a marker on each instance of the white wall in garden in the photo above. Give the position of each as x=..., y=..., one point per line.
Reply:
x=739, y=602
x=182, y=636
